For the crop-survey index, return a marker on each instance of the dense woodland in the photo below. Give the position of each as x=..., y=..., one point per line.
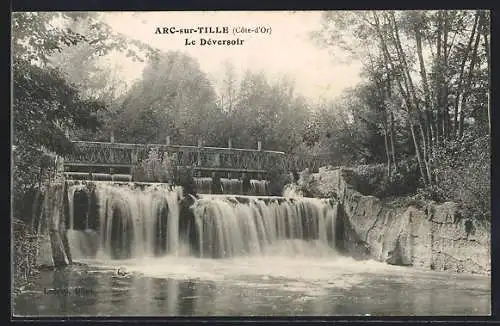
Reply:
x=423, y=106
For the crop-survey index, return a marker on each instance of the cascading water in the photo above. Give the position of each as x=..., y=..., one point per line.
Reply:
x=258, y=187
x=71, y=196
x=231, y=186
x=203, y=185
x=131, y=220
x=243, y=225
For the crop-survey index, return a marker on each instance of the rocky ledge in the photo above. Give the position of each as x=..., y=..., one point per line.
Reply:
x=415, y=233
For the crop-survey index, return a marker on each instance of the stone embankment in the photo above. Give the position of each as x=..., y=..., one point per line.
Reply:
x=415, y=233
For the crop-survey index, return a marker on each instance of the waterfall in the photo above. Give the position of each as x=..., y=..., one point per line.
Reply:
x=134, y=220
x=258, y=187
x=71, y=195
x=135, y=217
x=232, y=186
x=203, y=185
x=131, y=220
x=244, y=225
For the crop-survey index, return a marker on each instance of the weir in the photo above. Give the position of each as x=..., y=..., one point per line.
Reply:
x=205, y=185
x=121, y=220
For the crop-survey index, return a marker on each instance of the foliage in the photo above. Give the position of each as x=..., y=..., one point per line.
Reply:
x=157, y=167
x=44, y=105
x=462, y=172
x=375, y=181
x=424, y=98
x=305, y=183
x=174, y=98
x=25, y=246
x=277, y=180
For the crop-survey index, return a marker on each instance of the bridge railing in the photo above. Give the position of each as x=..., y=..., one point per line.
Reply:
x=299, y=162
x=111, y=154
x=124, y=154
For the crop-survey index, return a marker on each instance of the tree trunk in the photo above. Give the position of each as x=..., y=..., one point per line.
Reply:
x=444, y=77
x=466, y=92
x=404, y=93
x=488, y=60
x=438, y=65
x=417, y=153
x=386, y=145
x=423, y=75
x=459, y=95
x=413, y=96
x=392, y=142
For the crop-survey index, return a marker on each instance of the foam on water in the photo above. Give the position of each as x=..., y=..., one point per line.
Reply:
x=281, y=243
x=309, y=275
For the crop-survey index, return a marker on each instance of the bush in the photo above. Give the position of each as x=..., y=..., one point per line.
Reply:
x=461, y=169
x=31, y=168
x=305, y=183
x=25, y=245
x=157, y=167
x=277, y=180
x=373, y=179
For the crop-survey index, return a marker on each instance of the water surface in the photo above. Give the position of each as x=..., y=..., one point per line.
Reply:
x=278, y=284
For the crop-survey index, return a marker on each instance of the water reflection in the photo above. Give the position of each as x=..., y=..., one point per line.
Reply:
x=109, y=294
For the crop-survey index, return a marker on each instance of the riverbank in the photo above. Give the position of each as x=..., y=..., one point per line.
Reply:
x=404, y=231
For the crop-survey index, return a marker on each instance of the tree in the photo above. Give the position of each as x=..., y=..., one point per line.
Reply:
x=398, y=43
x=427, y=86
x=229, y=88
x=174, y=98
x=45, y=104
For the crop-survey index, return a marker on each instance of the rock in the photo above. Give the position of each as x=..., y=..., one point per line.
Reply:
x=428, y=235
x=44, y=256
x=59, y=254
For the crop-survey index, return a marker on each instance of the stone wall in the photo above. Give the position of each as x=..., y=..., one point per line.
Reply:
x=420, y=234
x=51, y=227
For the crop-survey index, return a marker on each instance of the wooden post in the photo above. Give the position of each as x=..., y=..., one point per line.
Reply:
x=168, y=141
x=66, y=133
x=199, y=152
x=259, y=159
x=112, y=156
x=229, y=144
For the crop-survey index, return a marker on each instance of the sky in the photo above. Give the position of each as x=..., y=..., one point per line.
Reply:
x=288, y=49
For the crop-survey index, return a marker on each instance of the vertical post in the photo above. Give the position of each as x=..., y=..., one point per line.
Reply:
x=228, y=156
x=167, y=141
x=134, y=157
x=112, y=154
x=259, y=159
x=134, y=162
x=66, y=133
x=199, y=151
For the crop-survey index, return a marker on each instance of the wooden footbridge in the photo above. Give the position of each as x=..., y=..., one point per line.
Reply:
x=120, y=159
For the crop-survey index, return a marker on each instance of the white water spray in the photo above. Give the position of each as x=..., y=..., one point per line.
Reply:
x=135, y=220
x=245, y=225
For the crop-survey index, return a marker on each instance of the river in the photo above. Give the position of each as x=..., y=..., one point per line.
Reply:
x=279, y=283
